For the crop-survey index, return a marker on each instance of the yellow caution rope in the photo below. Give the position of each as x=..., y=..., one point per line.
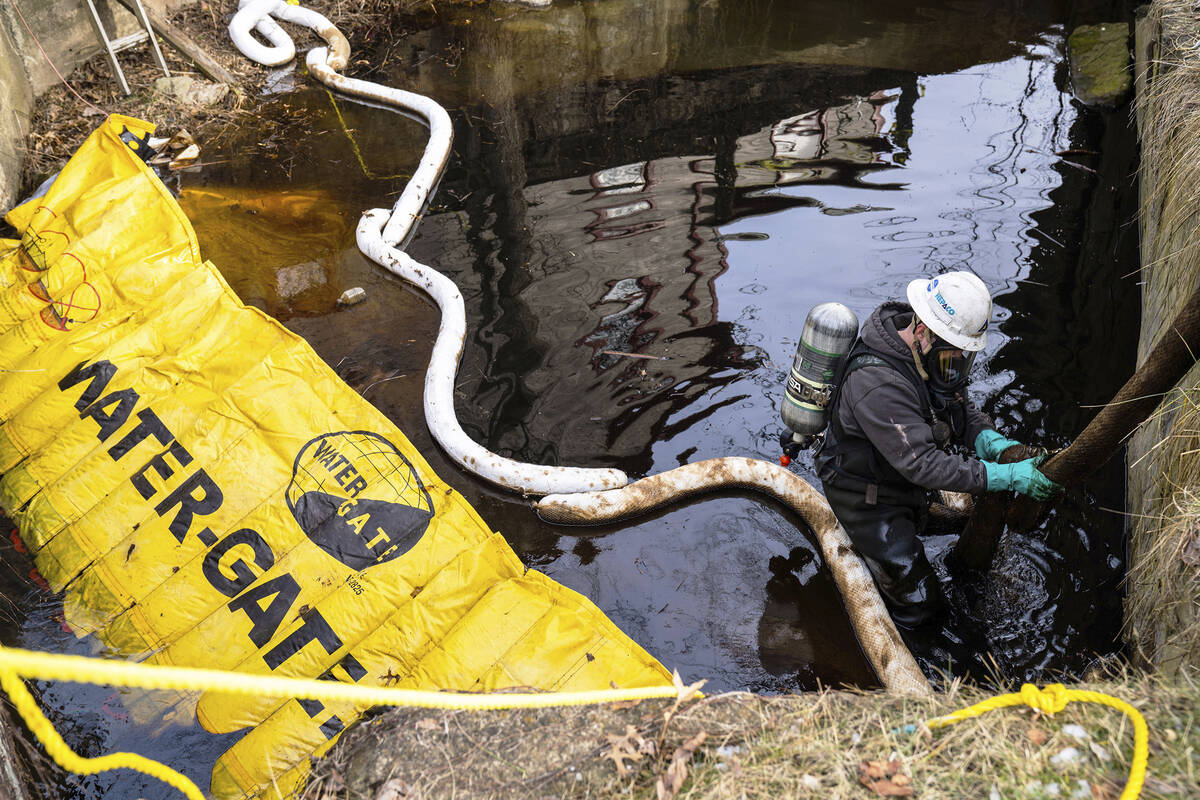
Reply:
x=1054, y=698
x=16, y=664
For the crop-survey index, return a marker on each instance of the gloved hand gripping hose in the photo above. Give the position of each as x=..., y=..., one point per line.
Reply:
x=1023, y=477
x=989, y=444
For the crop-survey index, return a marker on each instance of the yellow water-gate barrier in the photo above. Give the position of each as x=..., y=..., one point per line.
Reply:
x=209, y=493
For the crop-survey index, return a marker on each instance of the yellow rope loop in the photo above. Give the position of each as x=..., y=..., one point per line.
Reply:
x=1054, y=698
x=71, y=761
x=1050, y=700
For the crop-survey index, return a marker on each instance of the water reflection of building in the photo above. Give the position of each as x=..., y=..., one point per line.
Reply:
x=813, y=145
x=626, y=260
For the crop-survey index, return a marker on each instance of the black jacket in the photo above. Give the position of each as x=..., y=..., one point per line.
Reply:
x=879, y=405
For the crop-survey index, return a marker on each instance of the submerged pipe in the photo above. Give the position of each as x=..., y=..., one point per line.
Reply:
x=380, y=235
x=877, y=633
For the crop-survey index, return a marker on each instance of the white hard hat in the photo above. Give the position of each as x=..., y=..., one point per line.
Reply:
x=956, y=306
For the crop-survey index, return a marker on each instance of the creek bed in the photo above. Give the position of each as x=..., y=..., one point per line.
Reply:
x=686, y=188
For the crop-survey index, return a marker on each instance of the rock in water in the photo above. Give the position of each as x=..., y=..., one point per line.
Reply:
x=190, y=91
x=1099, y=59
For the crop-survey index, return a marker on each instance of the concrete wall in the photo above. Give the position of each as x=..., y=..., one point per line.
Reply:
x=64, y=31
x=1162, y=605
x=17, y=96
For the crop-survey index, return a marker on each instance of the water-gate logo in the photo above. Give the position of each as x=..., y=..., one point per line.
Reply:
x=358, y=499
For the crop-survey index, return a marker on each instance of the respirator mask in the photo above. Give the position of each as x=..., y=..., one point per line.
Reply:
x=948, y=366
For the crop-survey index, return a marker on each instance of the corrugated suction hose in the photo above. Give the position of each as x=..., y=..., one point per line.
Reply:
x=893, y=663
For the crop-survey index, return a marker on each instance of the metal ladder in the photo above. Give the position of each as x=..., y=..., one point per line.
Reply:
x=114, y=46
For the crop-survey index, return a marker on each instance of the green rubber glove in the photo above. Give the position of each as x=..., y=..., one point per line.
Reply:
x=1023, y=476
x=989, y=444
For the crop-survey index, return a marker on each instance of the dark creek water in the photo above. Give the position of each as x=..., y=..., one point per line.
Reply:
x=684, y=180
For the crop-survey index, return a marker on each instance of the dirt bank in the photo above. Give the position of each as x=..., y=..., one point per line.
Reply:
x=748, y=746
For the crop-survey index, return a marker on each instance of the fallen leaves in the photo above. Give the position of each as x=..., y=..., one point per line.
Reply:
x=684, y=691
x=884, y=778
x=670, y=782
x=630, y=746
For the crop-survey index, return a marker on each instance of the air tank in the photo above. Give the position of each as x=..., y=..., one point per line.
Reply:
x=829, y=332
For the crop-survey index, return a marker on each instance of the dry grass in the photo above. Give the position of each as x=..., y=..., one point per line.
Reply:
x=64, y=115
x=762, y=747
x=1162, y=610
x=1168, y=111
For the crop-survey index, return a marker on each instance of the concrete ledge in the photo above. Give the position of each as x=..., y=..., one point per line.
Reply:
x=14, y=119
x=63, y=29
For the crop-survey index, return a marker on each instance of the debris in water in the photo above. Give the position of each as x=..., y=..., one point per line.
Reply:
x=634, y=355
x=177, y=151
x=298, y=278
x=186, y=156
x=743, y=237
x=182, y=140
x=352, y=297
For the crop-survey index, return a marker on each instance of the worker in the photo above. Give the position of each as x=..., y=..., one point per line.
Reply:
x=900, y=427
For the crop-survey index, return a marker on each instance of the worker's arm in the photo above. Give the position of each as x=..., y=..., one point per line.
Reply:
x=982, y=434
x=887, y=410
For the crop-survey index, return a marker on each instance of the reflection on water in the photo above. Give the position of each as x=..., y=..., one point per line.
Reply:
x=640, y=215
x=630, y=257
